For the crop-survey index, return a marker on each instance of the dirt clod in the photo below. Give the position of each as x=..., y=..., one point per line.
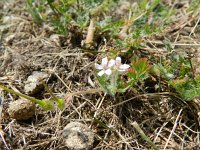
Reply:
x=78, y=136
x=21, y=109
x=33, y=84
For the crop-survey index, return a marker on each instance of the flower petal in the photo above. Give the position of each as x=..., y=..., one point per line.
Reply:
x=104, y=61
x=99, y=67
x=108, y=71
x=100, y=73
x=111, y=63
x=123, y=67
x=118, y=61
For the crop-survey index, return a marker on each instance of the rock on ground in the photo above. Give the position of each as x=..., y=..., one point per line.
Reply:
x=78, y=136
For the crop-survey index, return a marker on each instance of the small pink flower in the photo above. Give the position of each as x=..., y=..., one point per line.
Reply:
x=105, y=66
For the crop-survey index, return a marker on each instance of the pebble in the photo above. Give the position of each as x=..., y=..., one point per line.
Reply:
x=33, y=84
x=78, y=136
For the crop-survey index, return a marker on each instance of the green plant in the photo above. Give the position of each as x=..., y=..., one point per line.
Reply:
x=45, y=104
x=35, y=11
x=176, y=66
x=65, y=16
x=187, y=88
x=112, y=74
x=179, y=73
x=194, y=5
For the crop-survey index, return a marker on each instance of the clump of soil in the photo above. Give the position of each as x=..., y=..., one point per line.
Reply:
x=21, y=109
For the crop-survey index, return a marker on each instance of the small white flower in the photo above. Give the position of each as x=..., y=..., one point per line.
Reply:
x=121, y=67
x=105, y=66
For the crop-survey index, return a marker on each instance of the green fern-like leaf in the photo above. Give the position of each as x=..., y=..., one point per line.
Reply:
x=187, y=88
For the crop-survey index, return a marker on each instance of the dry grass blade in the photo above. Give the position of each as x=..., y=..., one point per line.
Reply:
x=1, y=131
x=173, y=129
x=142, y=134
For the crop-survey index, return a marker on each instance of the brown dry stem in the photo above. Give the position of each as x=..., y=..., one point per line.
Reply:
x=90, y=33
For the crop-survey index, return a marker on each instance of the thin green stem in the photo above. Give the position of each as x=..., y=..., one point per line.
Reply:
x=21, y=95
x=113, y=81
x=49, y=91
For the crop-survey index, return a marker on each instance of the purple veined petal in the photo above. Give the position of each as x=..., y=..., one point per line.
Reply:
x=104, y=61
x=100, y=73
x=111, y=63
x=99, y=67
x=118, y=61
x=108, y=72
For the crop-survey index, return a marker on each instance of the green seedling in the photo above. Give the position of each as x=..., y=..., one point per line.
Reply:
x=60, y=102
x=45, y=104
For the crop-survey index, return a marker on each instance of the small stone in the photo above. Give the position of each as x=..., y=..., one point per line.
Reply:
x=78, y=136
x=21, y=109
x=56, y=39
x=33, y=84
